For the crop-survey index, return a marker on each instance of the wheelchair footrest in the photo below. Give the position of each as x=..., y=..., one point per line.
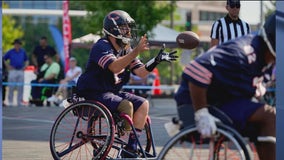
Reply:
x=266, y=139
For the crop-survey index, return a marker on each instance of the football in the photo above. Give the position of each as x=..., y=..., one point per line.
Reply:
x=187, y=40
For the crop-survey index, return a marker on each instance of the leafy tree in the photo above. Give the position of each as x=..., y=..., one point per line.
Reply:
x=34, y=31
x=10, y=31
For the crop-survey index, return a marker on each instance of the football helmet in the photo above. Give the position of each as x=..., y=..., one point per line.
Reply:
x=268, y=33
x=121, y=26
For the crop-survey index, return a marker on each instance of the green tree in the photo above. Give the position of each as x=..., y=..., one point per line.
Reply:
x=147, y=14
x=34, y=31
x=10, y=31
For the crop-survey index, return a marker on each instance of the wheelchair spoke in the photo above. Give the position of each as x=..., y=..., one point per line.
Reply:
x=82, y=131
x=188, y=144
x=70, y=148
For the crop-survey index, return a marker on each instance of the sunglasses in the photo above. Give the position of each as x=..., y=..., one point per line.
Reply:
x=233, y=5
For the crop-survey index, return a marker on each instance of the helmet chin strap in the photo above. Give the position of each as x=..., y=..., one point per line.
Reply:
x=124, y=40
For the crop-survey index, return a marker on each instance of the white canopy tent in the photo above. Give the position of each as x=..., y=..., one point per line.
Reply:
x=161, y=34
x=89, y=38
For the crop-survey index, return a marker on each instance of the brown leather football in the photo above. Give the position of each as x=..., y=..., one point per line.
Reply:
x=187, y=40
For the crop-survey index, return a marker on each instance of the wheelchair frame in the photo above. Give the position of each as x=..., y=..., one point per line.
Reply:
x=188, y=141
x=93, y=128
x=245, y=139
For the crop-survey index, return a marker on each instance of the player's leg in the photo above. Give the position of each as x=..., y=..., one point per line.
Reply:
x=266, y=117
x=140, y=115
x=141, y=108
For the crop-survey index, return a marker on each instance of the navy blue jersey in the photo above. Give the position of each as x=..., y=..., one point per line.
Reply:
x=97, y=78
x=229, y=71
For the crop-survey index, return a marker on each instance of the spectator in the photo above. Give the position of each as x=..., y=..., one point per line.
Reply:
x=71, y=78
x=229, y=27
x=39, y=51
x=18, y=62
x=48, y=74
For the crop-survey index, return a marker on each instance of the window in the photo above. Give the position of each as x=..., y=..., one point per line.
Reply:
x=210, y=16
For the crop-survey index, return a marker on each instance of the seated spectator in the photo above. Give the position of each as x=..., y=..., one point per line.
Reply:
x=71, y=78
x=48, y=74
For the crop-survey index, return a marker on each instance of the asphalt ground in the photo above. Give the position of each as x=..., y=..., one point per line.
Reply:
x=26, y=129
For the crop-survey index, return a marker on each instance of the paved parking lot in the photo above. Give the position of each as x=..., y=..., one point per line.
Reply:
x=26, y=129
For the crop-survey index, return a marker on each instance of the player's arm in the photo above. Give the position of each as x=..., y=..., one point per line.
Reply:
x=119, y=64
x=141, y=72
x=198, y=96
x=144, y=70
x=205, y=122
x=199, y=79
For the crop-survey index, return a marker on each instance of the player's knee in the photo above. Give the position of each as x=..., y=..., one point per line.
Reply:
x=145, y=107
x=126, y=107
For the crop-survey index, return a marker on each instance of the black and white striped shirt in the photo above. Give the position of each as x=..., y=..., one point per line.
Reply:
x=226, y=29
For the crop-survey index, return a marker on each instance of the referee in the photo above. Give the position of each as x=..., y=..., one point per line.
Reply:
x=230, y=26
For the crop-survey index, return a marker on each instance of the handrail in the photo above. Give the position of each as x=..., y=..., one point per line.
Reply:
x=163, y=87
x=68, y=85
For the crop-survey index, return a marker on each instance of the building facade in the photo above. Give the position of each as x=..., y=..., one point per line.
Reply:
x=203, y=14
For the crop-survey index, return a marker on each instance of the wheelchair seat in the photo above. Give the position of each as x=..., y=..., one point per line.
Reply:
x=250, y=131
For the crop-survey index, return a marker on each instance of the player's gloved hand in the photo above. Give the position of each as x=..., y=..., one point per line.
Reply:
x=205, y=122
x=162, y=56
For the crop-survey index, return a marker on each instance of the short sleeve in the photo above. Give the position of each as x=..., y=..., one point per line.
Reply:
x=214, y=30
x=55, y=68
x=102, y=54
x=197, y=74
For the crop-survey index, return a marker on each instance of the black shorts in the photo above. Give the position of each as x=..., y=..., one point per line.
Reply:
x=111, y=100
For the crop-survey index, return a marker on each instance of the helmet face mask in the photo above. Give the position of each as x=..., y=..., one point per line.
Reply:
x=121, y=26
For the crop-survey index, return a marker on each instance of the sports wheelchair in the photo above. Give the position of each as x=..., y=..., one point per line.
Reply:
x=88, y=130
x=227, y=143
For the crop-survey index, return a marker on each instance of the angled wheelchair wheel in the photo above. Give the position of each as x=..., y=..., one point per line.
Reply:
x=121, y=139
x=84, y=130
x=188, y=144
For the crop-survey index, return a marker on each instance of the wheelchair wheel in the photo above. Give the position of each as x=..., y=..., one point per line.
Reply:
x=145, y=139
x=84, y=130
x=226, y=144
